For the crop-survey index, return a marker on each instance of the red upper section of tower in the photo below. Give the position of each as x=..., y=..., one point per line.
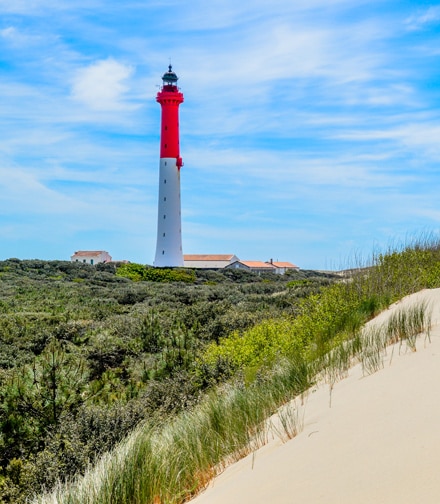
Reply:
x=170, y=98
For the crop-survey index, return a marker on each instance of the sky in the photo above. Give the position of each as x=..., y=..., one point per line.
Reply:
x=310, y=130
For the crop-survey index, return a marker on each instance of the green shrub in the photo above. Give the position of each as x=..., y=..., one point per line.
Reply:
x=137, y=272
x=321, y=318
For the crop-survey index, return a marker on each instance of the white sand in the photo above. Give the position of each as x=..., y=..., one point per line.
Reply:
x=378, y=443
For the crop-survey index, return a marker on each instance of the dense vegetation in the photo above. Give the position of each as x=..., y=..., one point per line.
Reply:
x=89, y=352
x=188, y=364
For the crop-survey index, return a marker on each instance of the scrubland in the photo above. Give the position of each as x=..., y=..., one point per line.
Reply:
x=130, y=385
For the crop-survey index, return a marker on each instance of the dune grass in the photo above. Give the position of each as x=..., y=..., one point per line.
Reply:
x=170, y=462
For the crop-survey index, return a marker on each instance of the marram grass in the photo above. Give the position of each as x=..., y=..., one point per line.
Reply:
x=170, y=463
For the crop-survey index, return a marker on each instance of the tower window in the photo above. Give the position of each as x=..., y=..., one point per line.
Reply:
x=165, y=181
x=163, y=252
x=163, y=235
x=165, y=198
x=164, y=216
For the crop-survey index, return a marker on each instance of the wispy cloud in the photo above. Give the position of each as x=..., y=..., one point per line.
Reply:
x=418, y=138
x=424, y=18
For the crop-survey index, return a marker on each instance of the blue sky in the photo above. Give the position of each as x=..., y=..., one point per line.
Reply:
x=310, y=130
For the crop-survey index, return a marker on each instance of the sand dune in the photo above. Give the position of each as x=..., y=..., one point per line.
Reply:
x=378, y=442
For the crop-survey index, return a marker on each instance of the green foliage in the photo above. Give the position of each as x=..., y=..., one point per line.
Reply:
x=294, y=284
x=401, y=272
x=132, y=271
x=328, y=316
x=321, y=318
x=33, y=397
x=137, y=273
x=77, y=355
x=256, y=346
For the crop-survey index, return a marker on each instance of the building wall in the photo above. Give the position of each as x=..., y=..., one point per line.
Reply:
x=238, y=265
x=103, y=256
x=206, y=264
x=255, y=269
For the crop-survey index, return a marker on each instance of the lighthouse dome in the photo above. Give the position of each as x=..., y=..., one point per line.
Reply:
x=170, y=78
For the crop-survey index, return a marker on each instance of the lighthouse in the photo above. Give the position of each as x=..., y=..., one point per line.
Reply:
x=169, y=232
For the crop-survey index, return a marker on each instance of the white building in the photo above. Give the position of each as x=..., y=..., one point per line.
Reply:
x=208, y=261
x=91, y=256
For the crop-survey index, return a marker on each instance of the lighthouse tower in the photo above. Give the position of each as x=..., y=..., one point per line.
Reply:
x=169, y=234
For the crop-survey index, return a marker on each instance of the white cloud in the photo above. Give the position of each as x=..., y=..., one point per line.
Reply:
x=19, y=39
x=420, y=20
x=386, y=95
x=420, y=138
x=8, y=33
x=103, y=85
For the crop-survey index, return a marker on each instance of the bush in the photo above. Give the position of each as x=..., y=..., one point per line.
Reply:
x=137, y=272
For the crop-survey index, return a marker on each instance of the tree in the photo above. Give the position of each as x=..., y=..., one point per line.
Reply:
x=33, y=397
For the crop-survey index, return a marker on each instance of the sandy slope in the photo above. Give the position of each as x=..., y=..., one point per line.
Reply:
x=379, y=442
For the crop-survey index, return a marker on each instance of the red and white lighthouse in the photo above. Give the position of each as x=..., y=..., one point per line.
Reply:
x=169, y=232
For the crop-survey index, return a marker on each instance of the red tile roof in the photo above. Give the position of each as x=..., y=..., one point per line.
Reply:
x=88, y=253
x=284, y=264
x=257, y=264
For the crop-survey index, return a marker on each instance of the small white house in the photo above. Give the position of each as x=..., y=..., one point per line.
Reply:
x=91, y=256
x=208, y=261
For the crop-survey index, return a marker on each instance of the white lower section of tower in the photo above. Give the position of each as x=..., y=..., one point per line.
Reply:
x=169, y=232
